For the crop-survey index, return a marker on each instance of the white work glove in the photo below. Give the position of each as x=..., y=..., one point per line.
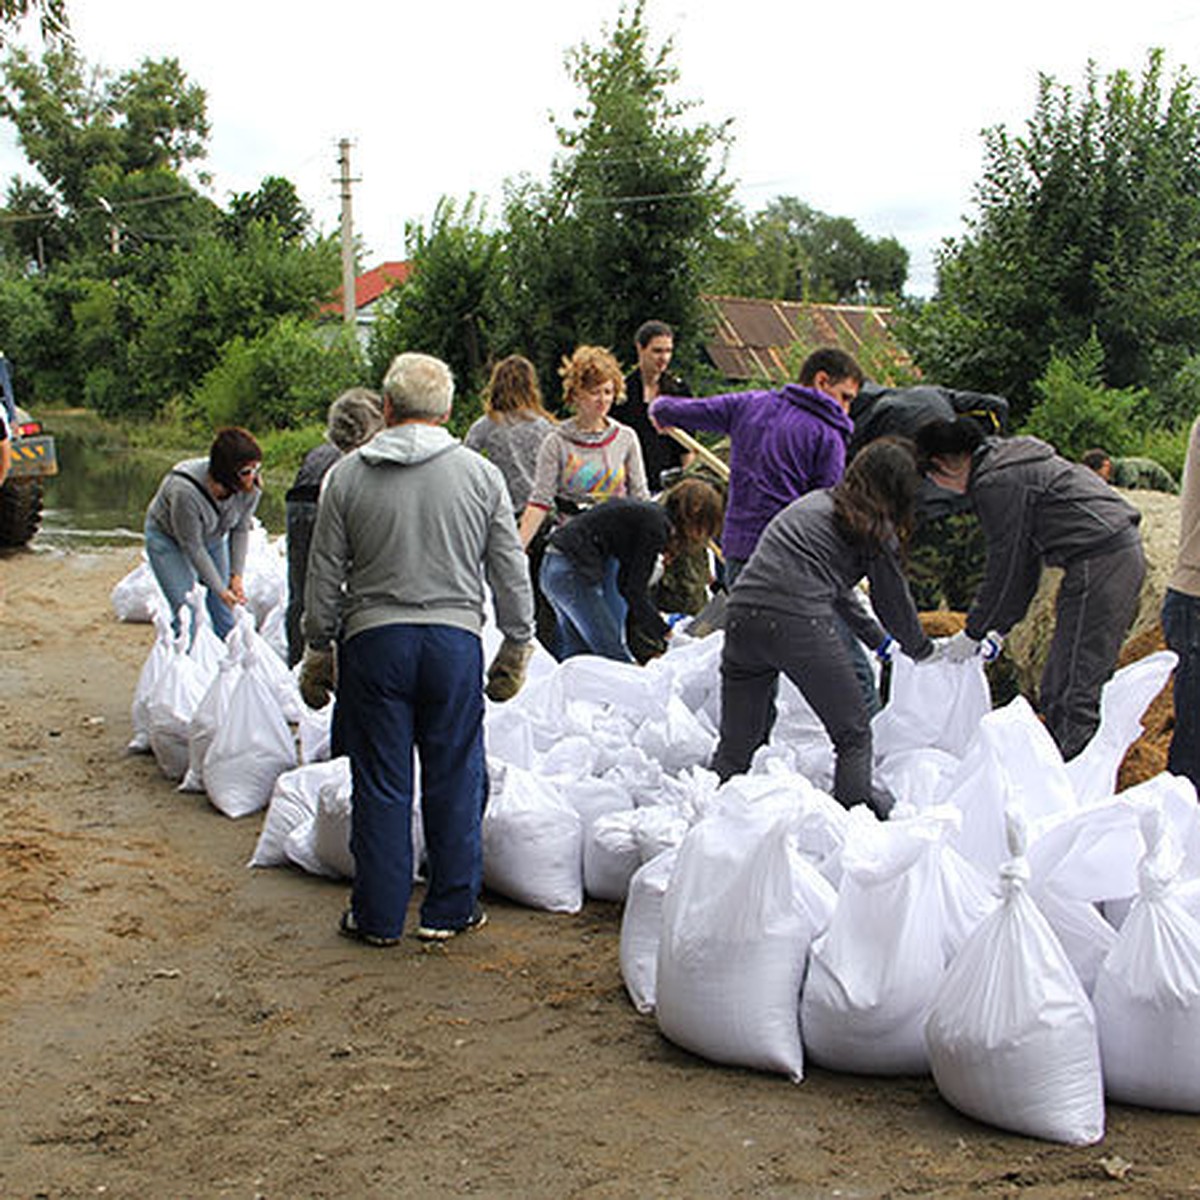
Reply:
x=960, y=648
x=886, y=649
x=991, y=646
x=318, y=676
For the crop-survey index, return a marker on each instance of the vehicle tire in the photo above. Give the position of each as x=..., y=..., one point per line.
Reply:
x=20, y=511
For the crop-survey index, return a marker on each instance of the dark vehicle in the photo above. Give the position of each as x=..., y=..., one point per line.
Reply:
x=33, y=459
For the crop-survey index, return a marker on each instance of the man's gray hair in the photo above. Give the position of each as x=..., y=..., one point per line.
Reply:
x=355, y=417
x=419, y=385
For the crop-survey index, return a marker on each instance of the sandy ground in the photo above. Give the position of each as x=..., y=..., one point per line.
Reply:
x=175, y=1024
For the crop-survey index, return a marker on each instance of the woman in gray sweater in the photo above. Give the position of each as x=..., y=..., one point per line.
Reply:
x=198, y=526
x=783, y=610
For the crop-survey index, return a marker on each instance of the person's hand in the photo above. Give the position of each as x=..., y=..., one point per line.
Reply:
x=238, y=589
x=960, y=648
x=318, y=676
x=991, y=646
x=229, y=598
x=507, y=671
x=886, y=649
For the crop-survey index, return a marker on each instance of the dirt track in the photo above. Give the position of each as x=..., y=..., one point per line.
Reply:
x=178, y=1025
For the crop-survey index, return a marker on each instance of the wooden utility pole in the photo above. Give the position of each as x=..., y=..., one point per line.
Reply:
x=348, y=273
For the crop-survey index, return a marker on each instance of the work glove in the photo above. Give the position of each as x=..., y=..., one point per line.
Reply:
x=991, y=646
x=886, y=649
x=507, y=672
x=318, y=676
x=960, y=648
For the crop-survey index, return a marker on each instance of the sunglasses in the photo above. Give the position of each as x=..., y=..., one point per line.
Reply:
x=249, y=472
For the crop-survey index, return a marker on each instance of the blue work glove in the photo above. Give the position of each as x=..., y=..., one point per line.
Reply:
x=886, y=649
x=991, y=646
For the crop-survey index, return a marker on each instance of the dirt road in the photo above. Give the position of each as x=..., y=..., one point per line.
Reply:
x=175, y=1024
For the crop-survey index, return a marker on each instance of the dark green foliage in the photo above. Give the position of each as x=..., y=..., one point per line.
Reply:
x=1090, y=221
x=275, y=203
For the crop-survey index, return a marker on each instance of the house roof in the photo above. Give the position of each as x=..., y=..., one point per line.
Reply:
x=370, y=285
x=752, y=339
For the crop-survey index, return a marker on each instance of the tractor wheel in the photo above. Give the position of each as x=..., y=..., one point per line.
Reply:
x=20, y=511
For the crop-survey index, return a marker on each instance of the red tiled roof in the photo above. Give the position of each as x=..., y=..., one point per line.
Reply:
x=370, y=285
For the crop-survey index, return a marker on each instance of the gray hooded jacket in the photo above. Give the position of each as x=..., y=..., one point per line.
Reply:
x=409, y=526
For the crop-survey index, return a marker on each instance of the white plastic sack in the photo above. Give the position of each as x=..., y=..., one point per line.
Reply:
x=738, y=917
x=532, y=841
x=313, y=732
x=293, y=801
x=209, y=716
x=931, y=705
x=177, y=691
x=1012, y=1035
x=641, y=928
x=675, y=738
x=331, y=831
x=137, y=597
x=614, y=847
x=152, y=668
x=251, y=750
x=1148, y=991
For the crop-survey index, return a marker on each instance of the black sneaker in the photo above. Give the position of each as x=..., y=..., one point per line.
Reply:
x=431, y=933
x=348, y=928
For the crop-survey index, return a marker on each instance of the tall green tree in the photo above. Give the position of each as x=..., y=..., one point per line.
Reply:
x=791, y=251
x=1091, y=220
x=625, y=226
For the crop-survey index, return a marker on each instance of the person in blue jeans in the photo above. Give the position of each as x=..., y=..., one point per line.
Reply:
x=598, y=568
x=1181, y=621
x=198, y=526
x=410, y=528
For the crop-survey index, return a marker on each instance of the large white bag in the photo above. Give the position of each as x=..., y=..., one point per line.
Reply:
x=251, y=750
x=294, y=800
x=1012, y=1035
x=137, y=597
x=331, y=831
x=177, y=691
x=738, y=917
x=532, y=841
x=209, y=716
x=1148, y=991
x=152, y=668
x=932, y=705
x=614, y=847
x=641, y=928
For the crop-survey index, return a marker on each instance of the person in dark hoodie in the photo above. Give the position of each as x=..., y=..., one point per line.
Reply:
x=1036, y=507
x=782, y=444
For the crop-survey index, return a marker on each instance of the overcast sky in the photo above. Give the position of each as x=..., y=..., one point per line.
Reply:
x=868, y=109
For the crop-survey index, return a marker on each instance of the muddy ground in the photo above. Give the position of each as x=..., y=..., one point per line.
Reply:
x=175, y=1024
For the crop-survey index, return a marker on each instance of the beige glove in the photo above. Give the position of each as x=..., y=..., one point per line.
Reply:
x=318, y=676
x=507, y=672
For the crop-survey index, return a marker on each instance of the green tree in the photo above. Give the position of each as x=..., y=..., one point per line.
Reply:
x=52, y=17
x=625, y=226
x=441, y=308
x=790, y=251
x=1091, y=220
x=275, y=202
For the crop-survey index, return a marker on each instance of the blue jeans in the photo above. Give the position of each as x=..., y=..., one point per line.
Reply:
x=1181, y=624
x=400, y=688
x=176, y=576
x=591, y=616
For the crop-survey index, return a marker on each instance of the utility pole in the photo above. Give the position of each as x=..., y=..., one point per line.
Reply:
x=348, y=308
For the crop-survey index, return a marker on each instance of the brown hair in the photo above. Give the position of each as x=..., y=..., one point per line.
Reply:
x=589, y=367
x=878, y=494
x=696, y=510
x=231, y=450
x=836, y=363
x=512, y=392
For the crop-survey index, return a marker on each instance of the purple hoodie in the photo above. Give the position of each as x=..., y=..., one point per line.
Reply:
x=783, y=445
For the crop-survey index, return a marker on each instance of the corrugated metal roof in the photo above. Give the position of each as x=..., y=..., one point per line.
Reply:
x=752, y=338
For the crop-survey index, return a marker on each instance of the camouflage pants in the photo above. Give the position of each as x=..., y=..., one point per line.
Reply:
x=945, y=562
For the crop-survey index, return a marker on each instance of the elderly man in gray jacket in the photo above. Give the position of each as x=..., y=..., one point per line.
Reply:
x=408, y=529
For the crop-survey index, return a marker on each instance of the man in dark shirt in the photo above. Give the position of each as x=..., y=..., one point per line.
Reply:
x=655, y=343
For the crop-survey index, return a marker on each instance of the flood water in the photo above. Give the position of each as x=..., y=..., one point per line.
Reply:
x=100, y=494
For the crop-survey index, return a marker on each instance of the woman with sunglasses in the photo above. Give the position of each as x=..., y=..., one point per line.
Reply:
x=198, y=526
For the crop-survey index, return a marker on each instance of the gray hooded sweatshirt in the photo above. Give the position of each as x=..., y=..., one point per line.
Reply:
x=408, y=528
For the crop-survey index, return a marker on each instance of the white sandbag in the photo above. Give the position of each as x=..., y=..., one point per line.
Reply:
x=532, y=841
x=915, y=777
x=1012, y=765
x=1148, y=990
x=931, y=705
x=331, y=831
x=573, y=757
x=273, y=629
x=294, y=800
x=207, y=650
x=1012, y=1035
x=137, y=597
x=592, y=798
x=152, y=668
x=738, y=917
x=1123, y=701
x=508, y=734
x=313, y=732
x=177, y=691
x=641, y=928
x=251, y=750
x=209, y=716
x=873, y=974
x=265, y=575
x=615, y=846
x=675, y=738
x=283, y=685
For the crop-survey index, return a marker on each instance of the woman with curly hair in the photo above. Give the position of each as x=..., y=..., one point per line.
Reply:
x=597, y=568
x=513, y=426
x=783, y=610
x=590, y=457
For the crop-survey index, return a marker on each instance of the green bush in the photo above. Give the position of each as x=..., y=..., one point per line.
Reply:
x=286, y=376
x=1076, y=410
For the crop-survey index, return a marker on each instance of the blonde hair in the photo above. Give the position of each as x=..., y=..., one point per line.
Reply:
x=589, y=367
x=512, y=392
